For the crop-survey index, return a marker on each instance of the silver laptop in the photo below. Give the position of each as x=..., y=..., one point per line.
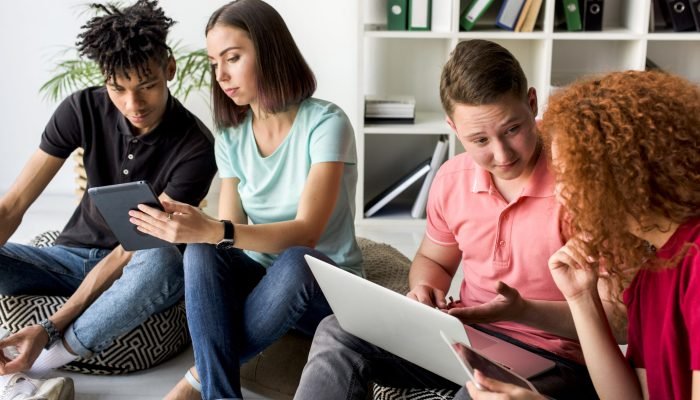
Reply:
x=410, y=329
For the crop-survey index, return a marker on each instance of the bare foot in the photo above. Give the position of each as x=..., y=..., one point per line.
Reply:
x=183, y=391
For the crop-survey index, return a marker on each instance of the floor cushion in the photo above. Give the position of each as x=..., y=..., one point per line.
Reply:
x=158, y=339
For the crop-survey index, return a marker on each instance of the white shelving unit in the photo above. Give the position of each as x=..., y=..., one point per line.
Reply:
x=409, y=63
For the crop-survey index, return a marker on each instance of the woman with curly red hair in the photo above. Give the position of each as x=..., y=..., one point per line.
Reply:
x=626, y=152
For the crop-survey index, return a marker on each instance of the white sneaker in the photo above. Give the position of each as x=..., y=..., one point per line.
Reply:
x=22, y=387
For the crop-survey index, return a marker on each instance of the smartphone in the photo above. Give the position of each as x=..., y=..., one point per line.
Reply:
x=470, y=360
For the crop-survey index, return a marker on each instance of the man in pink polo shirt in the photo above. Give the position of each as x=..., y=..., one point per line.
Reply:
x=491, y=210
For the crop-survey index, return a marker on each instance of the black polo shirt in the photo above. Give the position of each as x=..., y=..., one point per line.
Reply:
x=177, y=157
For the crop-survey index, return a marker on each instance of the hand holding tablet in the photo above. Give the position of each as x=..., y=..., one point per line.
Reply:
x=470, y=360
x=114, y=203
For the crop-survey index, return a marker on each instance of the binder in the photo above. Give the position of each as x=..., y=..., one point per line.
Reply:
x=397, y=15
x=472, y=13
x=681, y=16
x=662, y=17
x=396, y=188
x=509, y=13
x=572, y=15
x=441, y=16
x=592, y=15
x=419, y=15
x=439, y=155
x=695, y=10
x=523, y=16
x=531, y=18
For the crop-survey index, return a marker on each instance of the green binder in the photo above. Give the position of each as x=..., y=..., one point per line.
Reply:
x=419, y=14
x=573, y=15
x=397, y=15
x=472, y=13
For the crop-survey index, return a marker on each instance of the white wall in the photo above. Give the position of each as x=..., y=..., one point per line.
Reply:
x=33, y=32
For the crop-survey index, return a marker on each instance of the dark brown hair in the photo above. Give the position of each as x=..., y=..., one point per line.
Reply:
x=283, y=76
x=123, y=40
x=627, y=146
x=480, y=72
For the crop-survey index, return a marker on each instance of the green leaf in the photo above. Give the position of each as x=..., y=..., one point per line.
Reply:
x=74, y=73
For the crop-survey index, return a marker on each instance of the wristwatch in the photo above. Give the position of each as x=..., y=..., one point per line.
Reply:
x=50, y=328
x=229, y=236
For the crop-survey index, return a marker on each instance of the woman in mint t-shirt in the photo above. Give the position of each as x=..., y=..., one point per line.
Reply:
x=287, y=164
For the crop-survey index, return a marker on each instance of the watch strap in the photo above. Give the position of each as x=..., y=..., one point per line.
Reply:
x=229, y=236
x=51, y=330
x=228, y=230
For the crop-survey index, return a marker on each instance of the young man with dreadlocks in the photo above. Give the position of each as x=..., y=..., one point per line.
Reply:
x=131, y=129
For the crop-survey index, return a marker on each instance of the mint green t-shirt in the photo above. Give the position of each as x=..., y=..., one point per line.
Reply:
x=270, y=187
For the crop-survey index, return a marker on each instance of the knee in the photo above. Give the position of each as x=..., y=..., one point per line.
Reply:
x=162, y=260
x=294, y=261
x=157, y=265
x=330, y=338
x=196, y=255
x=329, y=330
x=295, y=254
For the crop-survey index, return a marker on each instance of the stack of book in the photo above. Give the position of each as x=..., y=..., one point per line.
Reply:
x=390, y=109
x=426, y=170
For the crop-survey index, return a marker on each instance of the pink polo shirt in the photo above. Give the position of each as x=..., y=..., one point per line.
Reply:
x=501, y=241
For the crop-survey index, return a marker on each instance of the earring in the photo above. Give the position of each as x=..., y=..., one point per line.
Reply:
x=650, y=248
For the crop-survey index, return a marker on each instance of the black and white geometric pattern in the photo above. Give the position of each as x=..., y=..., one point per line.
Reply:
x=387, y=393
x=45, y=239
x=158, y=339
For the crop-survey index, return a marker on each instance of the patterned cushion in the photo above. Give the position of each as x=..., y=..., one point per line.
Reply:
x=45, y=239
x=387, y=393
x=158, y=339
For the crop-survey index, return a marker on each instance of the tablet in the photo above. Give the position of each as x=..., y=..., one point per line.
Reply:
x=114, y=203
x=471, y=360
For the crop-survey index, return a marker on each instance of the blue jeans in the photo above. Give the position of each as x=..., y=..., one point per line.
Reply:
x=342, y=366
x=236, y=308
x=151, y=282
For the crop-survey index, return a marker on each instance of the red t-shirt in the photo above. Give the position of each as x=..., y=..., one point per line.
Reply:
x=664, y=318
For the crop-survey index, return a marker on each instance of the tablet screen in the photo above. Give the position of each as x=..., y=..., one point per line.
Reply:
x=491, y=369
x=114, y=203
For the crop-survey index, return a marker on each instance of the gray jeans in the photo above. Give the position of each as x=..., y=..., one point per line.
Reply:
x=342, y=366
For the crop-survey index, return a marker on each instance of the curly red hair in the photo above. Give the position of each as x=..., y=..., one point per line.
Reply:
x=628, y=146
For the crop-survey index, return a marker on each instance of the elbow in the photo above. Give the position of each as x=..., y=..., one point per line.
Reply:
x=308, y=236
x=311, y=242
